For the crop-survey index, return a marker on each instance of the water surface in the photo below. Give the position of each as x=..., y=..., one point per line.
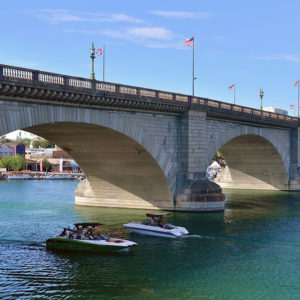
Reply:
x=251, y=251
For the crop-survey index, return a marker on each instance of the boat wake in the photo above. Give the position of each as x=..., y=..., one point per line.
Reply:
x=22, y=243
x=196, y=236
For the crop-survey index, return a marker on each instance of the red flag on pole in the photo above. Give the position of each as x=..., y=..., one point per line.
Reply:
x=189, y=42
x=292, y=106
x=231, y=87
x=99, y=51
x=41, y=166
x=296, y=83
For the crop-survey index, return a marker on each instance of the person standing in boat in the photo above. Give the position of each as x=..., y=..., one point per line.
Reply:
x=161, y=222
x=153, y=221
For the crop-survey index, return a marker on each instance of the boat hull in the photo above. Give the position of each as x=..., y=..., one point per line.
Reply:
x=60, y=243
x=155, y=230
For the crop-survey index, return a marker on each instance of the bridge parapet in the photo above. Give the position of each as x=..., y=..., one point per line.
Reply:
x=99, y=93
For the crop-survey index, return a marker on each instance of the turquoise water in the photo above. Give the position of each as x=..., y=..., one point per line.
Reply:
x=252, y=251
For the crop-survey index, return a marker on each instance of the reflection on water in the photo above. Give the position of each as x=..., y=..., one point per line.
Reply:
x=251, y=251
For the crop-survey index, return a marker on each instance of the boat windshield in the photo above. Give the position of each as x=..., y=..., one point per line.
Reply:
x=84, y=231
x=156, y=219
x=157, y=215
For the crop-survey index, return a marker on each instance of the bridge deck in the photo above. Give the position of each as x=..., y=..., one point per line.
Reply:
x=29, y=85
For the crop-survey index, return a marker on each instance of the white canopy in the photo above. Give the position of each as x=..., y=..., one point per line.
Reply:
x=215, y=165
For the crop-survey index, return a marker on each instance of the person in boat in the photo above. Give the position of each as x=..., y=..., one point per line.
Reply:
x=88, y=234
x=153, y=222
x=63, y=233
x=96, y=233
x=161, y=222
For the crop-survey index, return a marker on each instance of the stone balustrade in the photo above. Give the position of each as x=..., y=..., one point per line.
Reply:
x=173, y=102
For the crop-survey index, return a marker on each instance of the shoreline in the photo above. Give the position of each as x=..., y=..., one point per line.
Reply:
x=37, y=175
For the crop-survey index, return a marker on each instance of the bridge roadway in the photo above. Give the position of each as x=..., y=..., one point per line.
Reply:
x=148, y=148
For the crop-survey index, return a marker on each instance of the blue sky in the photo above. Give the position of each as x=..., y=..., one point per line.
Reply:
x=254, y=44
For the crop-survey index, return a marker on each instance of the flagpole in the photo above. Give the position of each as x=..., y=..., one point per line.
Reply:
x=104, y=62
x=298, y=97
x=234, y=94
x=193, y=63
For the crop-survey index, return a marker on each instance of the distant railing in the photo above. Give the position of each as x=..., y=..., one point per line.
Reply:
x=18, y=73
x=53, y=79
x=27, y=75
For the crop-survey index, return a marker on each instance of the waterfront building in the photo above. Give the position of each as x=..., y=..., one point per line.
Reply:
x=275, y=110
x=7, y=149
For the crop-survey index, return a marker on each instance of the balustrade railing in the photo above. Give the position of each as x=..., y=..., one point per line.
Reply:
x=166, y=96
x=10, y=73
x=128, y=90
x=80, y=83
x=53, y=79
x=106, y=87
x=147, y=93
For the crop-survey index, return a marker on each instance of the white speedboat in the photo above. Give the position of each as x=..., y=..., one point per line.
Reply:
x=157, y=227
x=59, y=176
x=19, y=177
x=87, y=237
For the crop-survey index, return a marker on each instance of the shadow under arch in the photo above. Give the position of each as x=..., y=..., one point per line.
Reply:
x=253, y=162
x=120, y=172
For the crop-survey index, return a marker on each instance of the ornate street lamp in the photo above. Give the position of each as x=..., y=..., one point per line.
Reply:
x=261, y=95
x=92, y=57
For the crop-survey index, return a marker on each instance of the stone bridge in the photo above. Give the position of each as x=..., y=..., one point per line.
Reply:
x=143, y=148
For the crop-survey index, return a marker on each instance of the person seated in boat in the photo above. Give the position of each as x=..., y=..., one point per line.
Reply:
x=161, y=222
x=87, y=234
x=153, y=222
x=63, y=233
x=78, y=235
x=96, y=233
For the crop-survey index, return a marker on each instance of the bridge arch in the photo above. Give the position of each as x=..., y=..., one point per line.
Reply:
x=255, y=159
x=140, y=169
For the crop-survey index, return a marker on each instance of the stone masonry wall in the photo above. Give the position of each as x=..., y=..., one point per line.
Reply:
x=157, y=133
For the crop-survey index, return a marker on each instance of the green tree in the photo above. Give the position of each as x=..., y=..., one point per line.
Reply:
x=47, y=144
x=47, y=165
x=25, y=141
x=5, y=162
x=36, y=144
x=218, y=156
x=17, y=162
x=14, y=163
x=5, y=140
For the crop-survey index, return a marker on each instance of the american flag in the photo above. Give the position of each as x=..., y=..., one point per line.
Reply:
x=189, y=42
x=231, y=87
x=99, y=51
x=292, y=106
x=296, y=83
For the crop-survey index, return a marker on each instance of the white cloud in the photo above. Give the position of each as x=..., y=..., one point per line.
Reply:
x=292, y=58
x=64, y=16
x=182, y=14
x=222, y=38
x=165, y=45
x=22, y=64
x=82, y=31
x=151, y=32
x=152, y=37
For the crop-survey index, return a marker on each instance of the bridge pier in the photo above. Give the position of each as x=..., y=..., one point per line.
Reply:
x=105, y=194
x=294, y=174
x=194, y=192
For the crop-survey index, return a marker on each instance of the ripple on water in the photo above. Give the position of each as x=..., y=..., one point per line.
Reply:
x=249, y=252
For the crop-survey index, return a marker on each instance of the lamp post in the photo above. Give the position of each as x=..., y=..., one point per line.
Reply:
x=93, y=58
x=261, y=95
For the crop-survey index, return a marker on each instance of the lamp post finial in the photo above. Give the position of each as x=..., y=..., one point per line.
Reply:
x=93, y=58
